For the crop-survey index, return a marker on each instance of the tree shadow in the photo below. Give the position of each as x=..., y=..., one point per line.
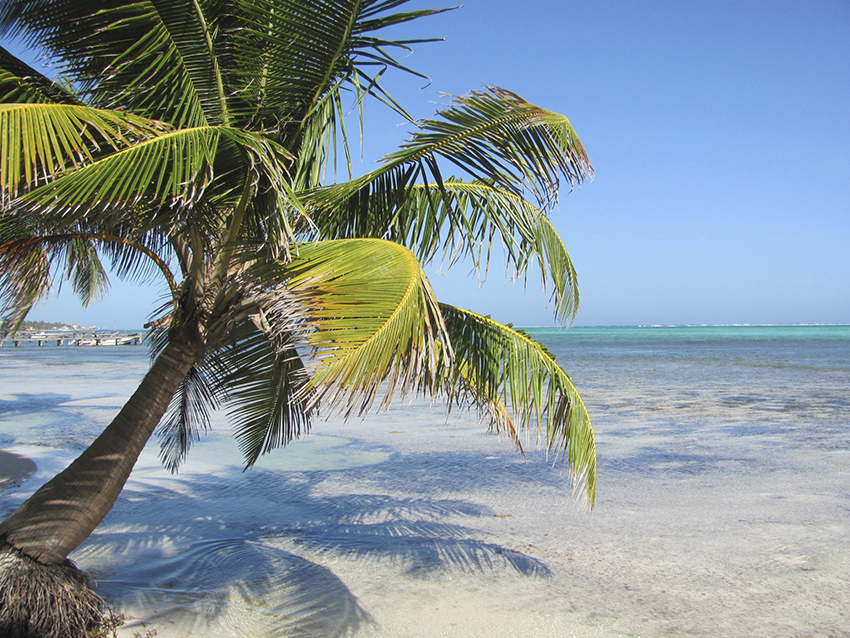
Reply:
x=233, y=587
x=26, y=403
x=240, y=552
x=58, y=421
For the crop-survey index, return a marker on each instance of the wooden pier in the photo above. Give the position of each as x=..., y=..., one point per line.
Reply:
x=74, y=339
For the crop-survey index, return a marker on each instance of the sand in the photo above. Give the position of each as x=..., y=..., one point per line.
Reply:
x=723, y=511
x=425, y=530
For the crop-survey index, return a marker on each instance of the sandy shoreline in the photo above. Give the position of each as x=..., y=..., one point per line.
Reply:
x=14, y=468
x=722, y=509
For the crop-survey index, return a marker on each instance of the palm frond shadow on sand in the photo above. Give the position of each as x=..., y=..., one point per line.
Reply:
x=236, y=587
x=242, y=551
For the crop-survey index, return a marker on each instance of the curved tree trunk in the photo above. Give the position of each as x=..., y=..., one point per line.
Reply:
x=63, y=512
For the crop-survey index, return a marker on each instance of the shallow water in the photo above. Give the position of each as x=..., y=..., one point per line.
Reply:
x=723, y=503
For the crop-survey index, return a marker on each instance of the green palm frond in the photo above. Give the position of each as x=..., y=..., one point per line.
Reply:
x=479, y=215
x=137, y=257
x=43, y=140
x=187, y=417
x=322, y=135
x=466, y=219
x=171, y=170
x=368, y=313
x=28, y=264
x=495, y=137
x=289, y=54
x=120, y=54
x=275, y=203
x=136, y=66
x=502, y=368
x=193, y=31
x=24, y=271
x=84, y=270
x=22, y=84
x=264, y=380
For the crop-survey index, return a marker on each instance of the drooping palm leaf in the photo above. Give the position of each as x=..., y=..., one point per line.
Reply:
x=138, y=257
x=29, y=263
x=369, y=315
x=501, y=367
x=187, y=417
x=466, y=219
x=24, y=271
x=265, y=168
x=265, y=382
x=495, y=137
x=85, y=271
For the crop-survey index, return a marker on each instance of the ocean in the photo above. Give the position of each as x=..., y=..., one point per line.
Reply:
x=723, y=502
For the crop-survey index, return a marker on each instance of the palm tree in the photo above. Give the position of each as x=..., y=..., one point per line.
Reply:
x=192, y=141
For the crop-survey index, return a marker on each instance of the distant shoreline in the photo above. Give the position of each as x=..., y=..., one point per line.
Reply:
x=690, y=325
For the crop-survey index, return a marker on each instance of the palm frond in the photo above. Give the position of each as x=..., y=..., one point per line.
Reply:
x=28, y=264
x=495, y=137
x=274, y=202
x=498, y=136
x=265, y=381
x=120, y=54
x=193, y=31
x=22, y=84
x=505, y=370
x=322, y=135
x=138, y=257
x=43, y=140
x=171, y=170
x=288, y=55
x=84, y=270
x=466, y=219
x=187, y=417
x=24, y=271
x=367, y=312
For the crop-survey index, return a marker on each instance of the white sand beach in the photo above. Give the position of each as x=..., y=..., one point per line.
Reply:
x=722, y=511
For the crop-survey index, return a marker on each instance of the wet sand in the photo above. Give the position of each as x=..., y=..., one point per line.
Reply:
x=14, y=468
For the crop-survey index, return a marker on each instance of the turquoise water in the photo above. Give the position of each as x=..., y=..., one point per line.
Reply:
x=723, y=501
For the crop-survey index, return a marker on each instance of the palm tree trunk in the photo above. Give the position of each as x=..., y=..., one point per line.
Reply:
x=63, y=512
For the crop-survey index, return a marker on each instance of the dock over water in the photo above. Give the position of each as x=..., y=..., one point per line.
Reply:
x=77, y=338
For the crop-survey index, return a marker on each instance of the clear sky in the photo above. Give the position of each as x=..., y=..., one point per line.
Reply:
x=719, y=132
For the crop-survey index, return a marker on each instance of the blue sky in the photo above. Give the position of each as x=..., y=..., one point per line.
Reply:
x=720, y=137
